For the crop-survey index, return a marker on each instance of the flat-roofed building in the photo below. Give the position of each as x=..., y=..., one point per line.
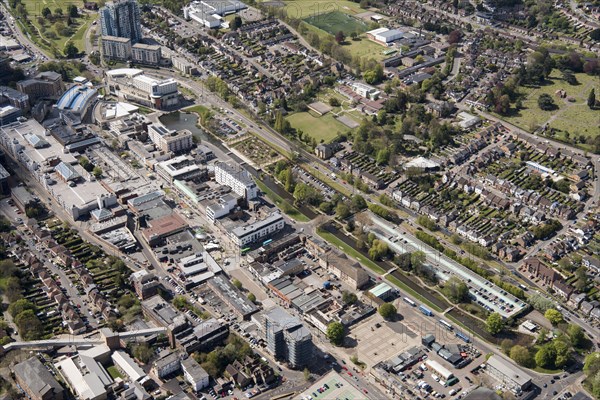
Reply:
x=514, y=378
x=145, y=284
x=247, y=234
x=240, y=304
x=15, y=98
x=130, y=84
x=4, y=175
x=116, y=48
x=85, y=376
x=148, y=54
x=169, y=140
x=181, y=168
x=237, y=178
x=194, y=374
x=287, y=338
x=162, y=227
x=128, y=366
x=167, y=365
x=35, y=380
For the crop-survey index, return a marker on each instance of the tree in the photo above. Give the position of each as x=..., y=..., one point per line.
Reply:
x=540, y=303
x=236, y=23
x=563, y=351
x=58, y=11
x=17, y=307
x=521, y=355
x=546, y=102
x=582, y=279
x=387, y=310
x=358, y=203
x=334, y=102
x=354, y=35
x=29, y=325
x=46, y=13
x=506, y=345
x=456, y=290
x=554, y=316
x=97, y=172
x=591, y=101
x=237, y=284
x=378, y=250
x=576, y=334
x=335, y=333
x=252, y=297
x=454, y=37
x=71, y=51
x=349, y=297
x=417, y=259
x=72, y=10
x=494, y=323
x=142, y=352
x=374, y=76
x=340, y=37
x=546, y=356
x=595, y=35
x=342, y=211
x=306, y=374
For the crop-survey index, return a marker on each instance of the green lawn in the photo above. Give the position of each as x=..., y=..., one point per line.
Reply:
x=362, y=47
x=198, y=109
x=114, y=372
x=324, y=128
x=335, y=21
x=42, y=34
x=412, y=292
x=302, y=9
x=573, y=117
x=285, y=206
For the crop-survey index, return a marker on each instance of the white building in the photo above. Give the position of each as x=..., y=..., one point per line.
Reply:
x=149, y=54
x=209, y=13
x=385, y=35
x=194, y=374
x=179, y=168
x=221, y=208
x=126, y=365
x=512, y=377
x=167, y=365
x=86, y=377
x=116, y=48
x=237, y=178
x=365, y=90
x=247, y=234
x=130, y=84
x=170, y=141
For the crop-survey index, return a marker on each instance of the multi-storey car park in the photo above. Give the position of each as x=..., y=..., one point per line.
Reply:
x=482, y=291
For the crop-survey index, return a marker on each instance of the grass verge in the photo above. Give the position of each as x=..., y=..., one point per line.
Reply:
x=351, y=252
x=412, y=292
x=285, y=206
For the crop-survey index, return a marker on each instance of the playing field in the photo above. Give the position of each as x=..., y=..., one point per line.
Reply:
x=301, y=9
x=362, y=47
x=574, y=117
x=336, y=21
x=324, y=128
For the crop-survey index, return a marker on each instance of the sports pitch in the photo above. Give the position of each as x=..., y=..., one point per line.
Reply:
x=335, y=21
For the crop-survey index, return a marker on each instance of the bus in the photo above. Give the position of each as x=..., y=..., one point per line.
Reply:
x=245, y=250
x=446, y=325
x=410, y=302
x=426, y=311
x=523, y=286
x=462, y=336
x=266, y=242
